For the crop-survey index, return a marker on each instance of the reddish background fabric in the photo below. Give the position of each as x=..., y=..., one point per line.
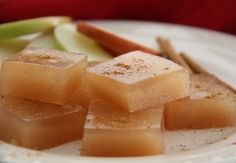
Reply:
x=213, y=14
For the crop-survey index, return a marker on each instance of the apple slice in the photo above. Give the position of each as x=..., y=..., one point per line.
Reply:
x=45, y=40
x=69, y=39
x=11, y=46
x=114, y=43
x=23, y=27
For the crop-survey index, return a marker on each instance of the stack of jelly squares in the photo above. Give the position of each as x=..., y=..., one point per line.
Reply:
x=125, y=115
x=35, y=86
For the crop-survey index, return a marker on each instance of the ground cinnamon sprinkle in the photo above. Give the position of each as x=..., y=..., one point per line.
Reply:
x=106, y=73
x=197, y=86
x=127, y=67
x=138, y=60
x=112, y=73
x=117, y=73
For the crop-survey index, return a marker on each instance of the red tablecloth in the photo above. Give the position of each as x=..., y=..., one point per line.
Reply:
x=214, y=14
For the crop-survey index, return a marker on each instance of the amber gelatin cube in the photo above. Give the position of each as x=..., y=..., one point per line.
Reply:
x=81, y=96
x=138, y=80
x=111, y=131
x=211, y=105
x=44, y=75
x=37, y=125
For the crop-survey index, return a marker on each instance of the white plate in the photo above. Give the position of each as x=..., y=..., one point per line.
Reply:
x=215, y=51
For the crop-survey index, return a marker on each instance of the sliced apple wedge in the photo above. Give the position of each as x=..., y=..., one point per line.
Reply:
x=23, y=27
x=45, y=40
x=69, y=39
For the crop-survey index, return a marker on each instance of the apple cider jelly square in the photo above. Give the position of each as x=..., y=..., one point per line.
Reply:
x=111, y=131
x=38, y=125
x=81, y=96
x=138, y=80
x=44, y=75
x=211, y=105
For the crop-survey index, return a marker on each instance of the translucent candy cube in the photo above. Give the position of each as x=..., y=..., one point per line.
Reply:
x=111, y=131
x=39, y=125
x=44, y=75
x=211, y=105
x=138, y=80
x=81, y=96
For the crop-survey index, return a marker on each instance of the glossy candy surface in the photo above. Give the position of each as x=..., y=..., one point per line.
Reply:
x=211, y=105
x=45, y=75
x=39, y=125
x=138, y=80
x=111, y=131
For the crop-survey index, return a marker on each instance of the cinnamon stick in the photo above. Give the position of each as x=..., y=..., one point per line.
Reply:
x=168, y=49
x=196, y=67
x=185, y=60
x=111, y=41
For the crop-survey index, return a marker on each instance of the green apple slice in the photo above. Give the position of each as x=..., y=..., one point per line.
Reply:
x=10, y=47
x=69, y=39
x=45, y=40
x=23, y=27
